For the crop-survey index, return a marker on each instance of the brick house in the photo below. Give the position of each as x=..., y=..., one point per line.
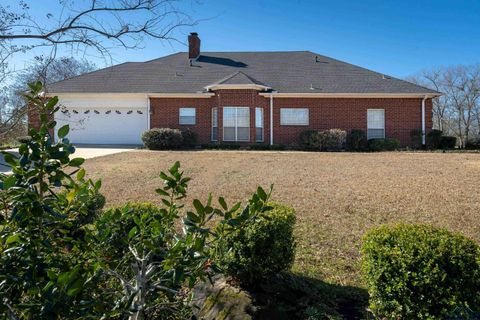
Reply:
x=239, y=97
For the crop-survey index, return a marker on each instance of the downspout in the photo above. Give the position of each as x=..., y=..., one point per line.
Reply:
x=148, y=112
x=423, y=120
x=271, y=119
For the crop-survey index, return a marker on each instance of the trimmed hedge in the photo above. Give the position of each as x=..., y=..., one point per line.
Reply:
x=357, y=140
x=189, y=138
x=260, y=248
x=386, y=144
x=332, y=139
x=222, y=146
x=448, y=142
x=420, y=272
x=263, y=146
x=162, y=139
x=473, y=144
x=433, y=139
x=327, y=140
x=308, y=140
x=416, y=138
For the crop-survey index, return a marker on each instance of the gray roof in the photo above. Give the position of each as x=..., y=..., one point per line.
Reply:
x=238, y=78
x=285, y=72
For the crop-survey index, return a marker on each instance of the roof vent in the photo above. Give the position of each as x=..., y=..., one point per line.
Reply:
x=384, y=77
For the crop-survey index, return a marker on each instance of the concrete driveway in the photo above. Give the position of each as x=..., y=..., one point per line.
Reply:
x=83, y=151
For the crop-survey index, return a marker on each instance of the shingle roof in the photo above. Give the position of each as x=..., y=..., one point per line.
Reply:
x=238, y=78
x=285, y=72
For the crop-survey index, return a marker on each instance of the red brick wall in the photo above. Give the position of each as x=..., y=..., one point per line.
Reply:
x=401, y=115
x=34, y=119
x=164, y=113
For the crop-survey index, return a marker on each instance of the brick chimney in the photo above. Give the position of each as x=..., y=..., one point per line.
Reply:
x=193, y=46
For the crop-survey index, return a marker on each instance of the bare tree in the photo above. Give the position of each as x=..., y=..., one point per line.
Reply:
x=89, y=24
x=457, y=112
x=12, y=106
x=79, y=25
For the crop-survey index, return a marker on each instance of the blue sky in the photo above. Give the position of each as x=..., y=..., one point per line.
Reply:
x=398, y=38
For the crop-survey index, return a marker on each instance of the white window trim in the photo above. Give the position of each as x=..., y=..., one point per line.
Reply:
x=180, y=116
x=263, y=125
x=214, y=109
x=383, y=111
x=236, y=124
x=282, y=123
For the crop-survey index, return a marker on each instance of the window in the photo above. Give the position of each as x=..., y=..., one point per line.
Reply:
x=214, y=124
x=236, y=124
x=259, y=124
x=187, y=116
x=294, y=116
x=375, y=124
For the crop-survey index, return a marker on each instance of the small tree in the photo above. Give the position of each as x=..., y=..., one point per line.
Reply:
x=151, y=261
x=46, y=204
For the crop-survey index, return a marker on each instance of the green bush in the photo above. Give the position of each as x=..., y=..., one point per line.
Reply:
x=356, y=140
x=383, y=144
x=420, y=272
x=447, y=142
x=115, y=224
x=162, y=138
x=472, y=144
x=278, y=147
x=260, y=248
x=222, y=146
x=259, y=146
x=332, y=139
x=189, y=138
x=433, y=139
x=416, y=138
x=308, y=140
x=263, y=146
x=327, y=140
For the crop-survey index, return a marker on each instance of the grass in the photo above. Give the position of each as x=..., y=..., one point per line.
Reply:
x=337, y=196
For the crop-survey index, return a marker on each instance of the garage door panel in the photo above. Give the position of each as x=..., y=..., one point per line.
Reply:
x=103, y=125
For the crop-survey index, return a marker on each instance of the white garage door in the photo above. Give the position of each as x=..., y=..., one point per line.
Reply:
x=99, y=125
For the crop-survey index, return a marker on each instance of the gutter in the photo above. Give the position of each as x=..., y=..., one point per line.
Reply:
x=350, y=95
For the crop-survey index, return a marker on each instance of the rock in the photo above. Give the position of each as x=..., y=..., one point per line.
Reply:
x=221, y=301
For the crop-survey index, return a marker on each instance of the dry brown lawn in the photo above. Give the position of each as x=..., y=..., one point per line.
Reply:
x=337, y=196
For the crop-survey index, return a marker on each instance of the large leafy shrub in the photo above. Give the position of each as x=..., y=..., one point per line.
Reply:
x=420, y=272
x=433, y=138
x=261, y=247
x=46, y=270
x=162, y=139
x=356, y=140
x=383, y=144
